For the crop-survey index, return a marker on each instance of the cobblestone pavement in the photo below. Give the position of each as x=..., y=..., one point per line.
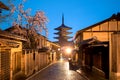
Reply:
x=57, y=71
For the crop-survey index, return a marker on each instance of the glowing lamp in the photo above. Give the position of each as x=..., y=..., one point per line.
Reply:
x=68, y=50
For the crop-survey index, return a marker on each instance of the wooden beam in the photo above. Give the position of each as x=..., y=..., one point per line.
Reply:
x=3, y=6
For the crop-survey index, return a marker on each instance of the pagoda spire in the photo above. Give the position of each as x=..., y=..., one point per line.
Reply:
x=62, y=18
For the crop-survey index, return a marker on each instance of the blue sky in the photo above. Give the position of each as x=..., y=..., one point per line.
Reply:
x=78, y=14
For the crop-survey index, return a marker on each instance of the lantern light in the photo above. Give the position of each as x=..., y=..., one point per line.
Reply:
x=68, y=50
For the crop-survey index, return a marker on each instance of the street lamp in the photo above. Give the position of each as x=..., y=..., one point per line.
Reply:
x=68, y=50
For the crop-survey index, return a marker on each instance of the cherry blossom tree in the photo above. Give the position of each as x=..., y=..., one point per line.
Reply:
x=19, y=16
x=36, y=23
x=23, y=22
x=33, y=24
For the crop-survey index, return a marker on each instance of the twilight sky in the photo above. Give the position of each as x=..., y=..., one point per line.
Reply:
x=78, y=14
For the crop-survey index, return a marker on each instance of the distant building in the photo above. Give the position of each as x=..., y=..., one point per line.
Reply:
x=63, y=36
x=95, y=47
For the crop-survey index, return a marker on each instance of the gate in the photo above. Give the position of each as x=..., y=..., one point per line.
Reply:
x=5, y=64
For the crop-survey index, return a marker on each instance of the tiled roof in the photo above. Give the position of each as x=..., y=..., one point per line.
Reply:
x=114, y=16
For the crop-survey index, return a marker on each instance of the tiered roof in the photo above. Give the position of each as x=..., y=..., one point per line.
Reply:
x=63, y=33
x=63, y=26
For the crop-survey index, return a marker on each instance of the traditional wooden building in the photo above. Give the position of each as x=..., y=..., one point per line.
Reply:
x=10, y=52
x=34, y=60
x=36, y=56
x=10, y=55
x=94, y=46
x=55, y=54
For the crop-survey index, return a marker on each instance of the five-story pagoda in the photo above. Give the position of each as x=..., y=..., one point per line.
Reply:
x=63, y=35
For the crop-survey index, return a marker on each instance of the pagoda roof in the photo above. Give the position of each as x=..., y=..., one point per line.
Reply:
x=3, y=6
x=66, y=37
x=63, y=33
x=63, y=27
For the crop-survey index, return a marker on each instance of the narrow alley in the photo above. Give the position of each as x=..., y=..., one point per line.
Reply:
x=57, y=71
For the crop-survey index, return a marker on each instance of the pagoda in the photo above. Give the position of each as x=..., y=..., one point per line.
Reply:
x=63, y=38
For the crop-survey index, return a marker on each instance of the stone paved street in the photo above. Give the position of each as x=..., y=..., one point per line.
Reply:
x=57, y=71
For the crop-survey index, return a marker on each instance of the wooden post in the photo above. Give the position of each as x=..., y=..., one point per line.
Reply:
x=115, y=58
